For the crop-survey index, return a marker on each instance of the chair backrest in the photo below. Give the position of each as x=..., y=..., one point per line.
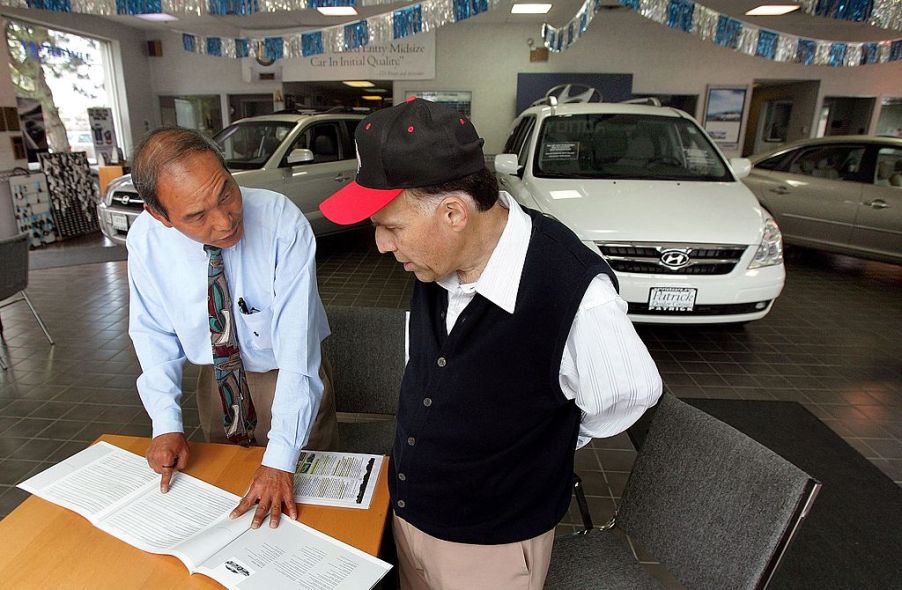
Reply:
x=366, y=351
x=14, y=262
x=715, y=507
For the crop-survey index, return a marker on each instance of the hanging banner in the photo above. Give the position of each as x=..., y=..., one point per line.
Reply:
x=411, y=58
x=104, y=135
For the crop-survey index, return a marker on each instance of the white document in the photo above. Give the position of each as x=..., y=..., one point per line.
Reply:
x=118, y=493
x=346, y=480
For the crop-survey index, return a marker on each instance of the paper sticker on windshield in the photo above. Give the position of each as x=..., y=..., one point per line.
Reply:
x=561, y=152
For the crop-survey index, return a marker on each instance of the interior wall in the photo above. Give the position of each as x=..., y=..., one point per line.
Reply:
x=179, y=73
x=485, y=59
x=803, y=96
x=131, y=49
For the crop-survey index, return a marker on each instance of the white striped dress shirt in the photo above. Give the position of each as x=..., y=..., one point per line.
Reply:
x=606, y=367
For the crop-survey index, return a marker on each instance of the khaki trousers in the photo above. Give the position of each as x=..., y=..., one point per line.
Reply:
x=262, y=387
x=428, y=563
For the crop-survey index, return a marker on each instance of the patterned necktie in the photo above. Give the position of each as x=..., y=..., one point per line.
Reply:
x=239, y=417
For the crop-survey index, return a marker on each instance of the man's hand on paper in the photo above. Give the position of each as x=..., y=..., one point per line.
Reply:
x=271, y=489
x=167, y=454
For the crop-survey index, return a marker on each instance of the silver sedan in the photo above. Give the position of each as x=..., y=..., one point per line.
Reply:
x=841, y=193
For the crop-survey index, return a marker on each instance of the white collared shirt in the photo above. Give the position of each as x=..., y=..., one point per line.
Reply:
x=606, y=367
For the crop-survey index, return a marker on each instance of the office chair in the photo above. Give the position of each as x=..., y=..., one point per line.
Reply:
x=366, y=351
x=714, y=507
x=14, y=278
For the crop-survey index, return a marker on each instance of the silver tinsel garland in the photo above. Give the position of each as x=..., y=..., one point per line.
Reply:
x=726, y=31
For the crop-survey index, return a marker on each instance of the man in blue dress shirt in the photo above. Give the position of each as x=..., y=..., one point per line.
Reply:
x=268, y=315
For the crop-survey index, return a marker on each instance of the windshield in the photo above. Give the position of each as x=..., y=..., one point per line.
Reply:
x=641, y=147
x=247, y=146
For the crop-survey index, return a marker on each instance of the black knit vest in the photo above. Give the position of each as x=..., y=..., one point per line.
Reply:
x=484, y=447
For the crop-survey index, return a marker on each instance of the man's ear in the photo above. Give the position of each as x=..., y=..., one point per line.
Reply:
x=455, y=212
x=158, y=216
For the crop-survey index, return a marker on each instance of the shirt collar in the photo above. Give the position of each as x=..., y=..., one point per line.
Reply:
x=500, y=280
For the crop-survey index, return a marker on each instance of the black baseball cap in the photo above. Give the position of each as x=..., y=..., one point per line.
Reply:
x=414, y=144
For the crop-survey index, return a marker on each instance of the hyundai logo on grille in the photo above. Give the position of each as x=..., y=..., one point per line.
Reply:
x=674, y=258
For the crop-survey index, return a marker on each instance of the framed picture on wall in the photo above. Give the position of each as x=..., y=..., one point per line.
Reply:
x=724, y=112
x=458, y=100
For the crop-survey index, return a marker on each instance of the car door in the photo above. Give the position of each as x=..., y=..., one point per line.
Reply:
x=878, y=226
x=308, y=184
x=519, y=142
x=814, y=193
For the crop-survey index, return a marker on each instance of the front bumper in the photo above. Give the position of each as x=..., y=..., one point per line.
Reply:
x=740, y=296
x=115, y=221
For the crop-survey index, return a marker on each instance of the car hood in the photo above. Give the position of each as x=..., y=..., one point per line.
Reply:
x=653, y=211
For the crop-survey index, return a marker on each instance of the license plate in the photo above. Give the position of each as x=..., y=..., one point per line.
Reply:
x=671, y=299
x=120, y=221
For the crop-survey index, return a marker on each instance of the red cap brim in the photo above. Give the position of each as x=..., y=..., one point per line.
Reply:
x=354, y=203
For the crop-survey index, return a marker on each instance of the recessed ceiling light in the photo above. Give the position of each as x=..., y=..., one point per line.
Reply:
x=157, y=17
x=530, y=8
x=371, y=97
x=358, y=83
x=377, y=90
x=773, y=9
x=336, y=10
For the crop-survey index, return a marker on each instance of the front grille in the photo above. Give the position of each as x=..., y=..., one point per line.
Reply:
x=127, y=200
x=703, y=259
x=700, y=310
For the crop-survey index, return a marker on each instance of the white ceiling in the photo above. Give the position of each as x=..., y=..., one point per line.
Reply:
x=798, y=23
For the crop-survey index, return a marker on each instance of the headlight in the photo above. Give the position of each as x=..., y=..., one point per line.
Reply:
x=770, y=250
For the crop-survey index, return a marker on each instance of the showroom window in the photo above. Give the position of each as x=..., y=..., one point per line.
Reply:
x=57, y=77
x=203, y=112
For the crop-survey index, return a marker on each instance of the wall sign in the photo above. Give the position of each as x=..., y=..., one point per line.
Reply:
x=724, y=111
x=104, y=134
x=411, y=58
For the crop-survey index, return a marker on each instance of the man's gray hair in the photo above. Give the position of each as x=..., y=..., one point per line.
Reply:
x=157, y=151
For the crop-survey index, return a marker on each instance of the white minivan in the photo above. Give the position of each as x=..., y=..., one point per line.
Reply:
x=647, y=187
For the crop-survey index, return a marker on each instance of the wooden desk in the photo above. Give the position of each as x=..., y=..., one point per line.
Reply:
x=43, y=545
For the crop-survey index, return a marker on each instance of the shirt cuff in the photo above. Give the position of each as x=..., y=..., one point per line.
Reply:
x=280, y=456
x=166, y=423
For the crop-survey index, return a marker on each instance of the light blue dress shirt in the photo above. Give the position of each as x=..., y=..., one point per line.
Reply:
x=273, y=269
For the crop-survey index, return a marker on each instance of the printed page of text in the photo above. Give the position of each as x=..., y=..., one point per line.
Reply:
x=347, y=480
x=93, y=481
x=158, y=522
x=292, y=556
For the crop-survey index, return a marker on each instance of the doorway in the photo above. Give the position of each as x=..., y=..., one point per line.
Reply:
x=780, y=111
x=846, y=115
x=242, y=106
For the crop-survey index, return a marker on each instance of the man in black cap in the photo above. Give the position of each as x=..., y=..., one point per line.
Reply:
x=520, y=352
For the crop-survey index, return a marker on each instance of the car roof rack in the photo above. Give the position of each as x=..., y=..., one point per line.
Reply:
x=545, y=100
x=647, y=100
x=569, y=94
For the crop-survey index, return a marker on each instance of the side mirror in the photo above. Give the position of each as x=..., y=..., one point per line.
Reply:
x=506, y=164
x=299, y=156
x=741, y=167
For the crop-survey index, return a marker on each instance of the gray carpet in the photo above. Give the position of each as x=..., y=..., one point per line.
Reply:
x=38, y=259
x=853, y=536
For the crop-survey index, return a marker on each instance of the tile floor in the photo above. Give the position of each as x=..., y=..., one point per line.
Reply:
x=833, y=342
